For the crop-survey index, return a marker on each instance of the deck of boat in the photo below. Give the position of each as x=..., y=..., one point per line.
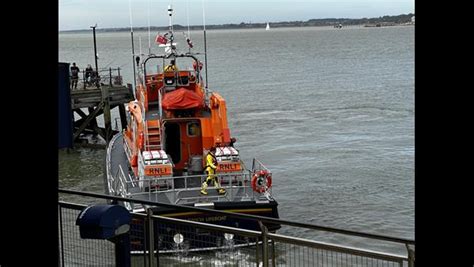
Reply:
x=182, y=193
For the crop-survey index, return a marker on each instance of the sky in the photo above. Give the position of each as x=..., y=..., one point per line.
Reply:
x=81, y=14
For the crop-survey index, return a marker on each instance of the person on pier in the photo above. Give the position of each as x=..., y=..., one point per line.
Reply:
x=74, y=75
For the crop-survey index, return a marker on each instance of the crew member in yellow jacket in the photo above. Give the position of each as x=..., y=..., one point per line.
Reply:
x=171, y=66
x=211, y=166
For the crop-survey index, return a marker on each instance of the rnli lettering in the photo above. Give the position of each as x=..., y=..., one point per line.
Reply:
x=156, y=171
x=226, y=167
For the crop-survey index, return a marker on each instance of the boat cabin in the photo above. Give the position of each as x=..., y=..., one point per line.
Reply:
x=174, y=115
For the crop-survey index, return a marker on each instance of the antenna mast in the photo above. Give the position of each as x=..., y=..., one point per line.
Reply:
x=205, y=44
x=171, y=39
x=133, y=47
x=149, y=34
x=187, y=18
x=140, y=45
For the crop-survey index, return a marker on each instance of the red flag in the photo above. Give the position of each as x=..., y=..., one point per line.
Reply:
x=161, y=39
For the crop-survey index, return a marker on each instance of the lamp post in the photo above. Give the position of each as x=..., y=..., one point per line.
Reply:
x=95, y=53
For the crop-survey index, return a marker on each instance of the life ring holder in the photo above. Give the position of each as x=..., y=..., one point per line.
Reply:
x=261, y=181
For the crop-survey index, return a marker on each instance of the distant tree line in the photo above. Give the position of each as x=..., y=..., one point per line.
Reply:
x=385, y=20
x=400, y=19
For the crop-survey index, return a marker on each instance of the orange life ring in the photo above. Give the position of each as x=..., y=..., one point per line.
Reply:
x=261, y=181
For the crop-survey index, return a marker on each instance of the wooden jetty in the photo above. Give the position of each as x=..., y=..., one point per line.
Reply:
x=99, y=101
x=94, y=96
x=98, y=91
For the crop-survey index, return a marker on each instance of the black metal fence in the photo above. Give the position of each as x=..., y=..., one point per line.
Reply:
x=75, y=251
x=176, y=242
x=108, y=76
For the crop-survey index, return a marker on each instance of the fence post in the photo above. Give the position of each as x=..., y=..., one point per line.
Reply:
x=264, y=244
x=84, y=79
x=61, y=230
x=110, y=77
x=273, y=254
x=257, y=255
x=411, y=256
x=119, y=78
x=150, y=236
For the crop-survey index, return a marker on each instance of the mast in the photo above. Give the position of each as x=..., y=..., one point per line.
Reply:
x=140, y=45
x=205, y=49
x=170, y=15
x=170, y=30
x=133, y=47
x=149, y=33
x=187, y=18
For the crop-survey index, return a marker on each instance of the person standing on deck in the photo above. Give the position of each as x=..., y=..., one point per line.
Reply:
x=74, y=75
x=196, y=66
x=171, y=66
x=211, y=167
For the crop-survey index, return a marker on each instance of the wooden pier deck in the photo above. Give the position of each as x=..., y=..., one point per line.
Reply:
x=92, y=96
x=99, y=101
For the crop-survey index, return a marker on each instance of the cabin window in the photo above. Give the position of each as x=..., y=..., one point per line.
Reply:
x=183, y=80
x=193, y=129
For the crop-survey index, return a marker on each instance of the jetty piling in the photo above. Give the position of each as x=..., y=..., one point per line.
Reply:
x=99, y=101
x=79, y=108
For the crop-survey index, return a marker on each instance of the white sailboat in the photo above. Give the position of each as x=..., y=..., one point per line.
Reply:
x=268, y=27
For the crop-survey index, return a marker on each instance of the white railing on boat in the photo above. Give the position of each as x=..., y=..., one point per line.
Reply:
x=109, y=175
x=258, y=166
x=121, y=187
x=186, y=189
x=237, y=184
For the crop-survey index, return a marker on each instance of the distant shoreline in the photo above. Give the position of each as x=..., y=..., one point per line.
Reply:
x=403, y=19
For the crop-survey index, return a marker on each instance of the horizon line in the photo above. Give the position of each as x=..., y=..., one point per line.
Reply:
x=201, y=25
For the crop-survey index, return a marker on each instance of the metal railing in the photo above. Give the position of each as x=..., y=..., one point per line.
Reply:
x=176, y=242
x=75, y=251
x=175, y=187
x=105, y=76
x=258, y=166
x=235, y=183
x=109, y=77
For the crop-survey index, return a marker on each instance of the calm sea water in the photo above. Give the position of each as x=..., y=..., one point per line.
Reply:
x=329, y=111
